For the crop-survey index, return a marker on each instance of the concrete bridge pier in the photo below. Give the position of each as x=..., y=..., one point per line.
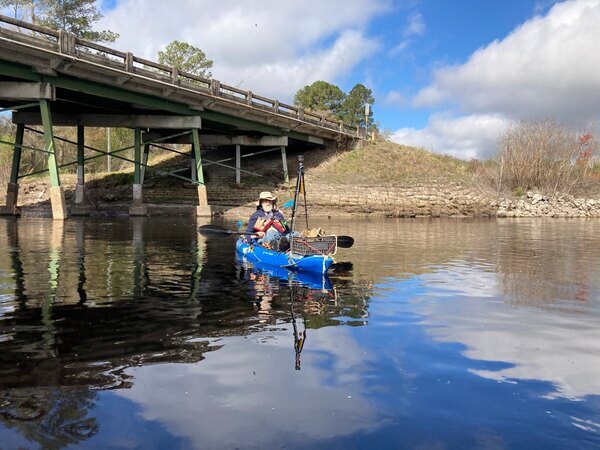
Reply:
x=81, y=206
x=41, y=94
x=12, y=195
x=203, y=209
x=138, y=207
x=12, y=190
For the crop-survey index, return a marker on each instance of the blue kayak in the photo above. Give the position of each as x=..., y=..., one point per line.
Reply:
x=311, y=280
x=286, y=260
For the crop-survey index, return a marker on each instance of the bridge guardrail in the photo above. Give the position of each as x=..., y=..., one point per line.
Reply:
x=68, y=44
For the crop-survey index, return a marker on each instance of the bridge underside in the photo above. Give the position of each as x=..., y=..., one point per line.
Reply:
x=54, y=78
x=55, y=99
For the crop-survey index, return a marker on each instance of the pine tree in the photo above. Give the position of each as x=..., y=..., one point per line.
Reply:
x=320, y=96
x=353, y=108
x=186, y=58
x=75, y=16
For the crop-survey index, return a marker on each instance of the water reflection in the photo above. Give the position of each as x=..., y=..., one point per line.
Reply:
x=143, y=333
x=525, y=292
x=310, y=294
x=84, y=302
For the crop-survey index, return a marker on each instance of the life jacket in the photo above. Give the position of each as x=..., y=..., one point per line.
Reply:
x=264, y=224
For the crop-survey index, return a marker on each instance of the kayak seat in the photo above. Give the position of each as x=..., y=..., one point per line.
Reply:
x=283, y=244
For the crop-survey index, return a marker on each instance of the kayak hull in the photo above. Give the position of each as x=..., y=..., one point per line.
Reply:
x=259, y=254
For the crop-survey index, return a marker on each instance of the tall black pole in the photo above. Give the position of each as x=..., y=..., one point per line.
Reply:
x=305, y=204
x=299, y=180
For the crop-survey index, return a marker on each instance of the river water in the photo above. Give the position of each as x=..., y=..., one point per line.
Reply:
x=140, y=333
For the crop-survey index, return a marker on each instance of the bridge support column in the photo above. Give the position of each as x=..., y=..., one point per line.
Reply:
x=138, y=208
x=238, y=164
x=81, y=208
x=144, y=163
x=203, y=209
x=286, y=175
x=57, y=193
x=12, y=190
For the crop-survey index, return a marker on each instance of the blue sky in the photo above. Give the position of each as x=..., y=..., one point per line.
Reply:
x=447, y=76
x=449, y=33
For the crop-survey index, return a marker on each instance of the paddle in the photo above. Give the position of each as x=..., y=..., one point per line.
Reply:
x=220, y=231
x=342, y=241
x=345, y=241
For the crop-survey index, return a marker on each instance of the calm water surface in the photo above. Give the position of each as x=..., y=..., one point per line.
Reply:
x=138, y=333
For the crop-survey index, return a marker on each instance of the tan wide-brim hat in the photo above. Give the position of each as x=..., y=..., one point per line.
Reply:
x=266, y=195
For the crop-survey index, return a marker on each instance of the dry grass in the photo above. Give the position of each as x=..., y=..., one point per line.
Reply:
x=546, y=155
x=389, y=163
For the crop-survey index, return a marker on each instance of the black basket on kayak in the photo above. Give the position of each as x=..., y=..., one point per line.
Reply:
x=307, y=246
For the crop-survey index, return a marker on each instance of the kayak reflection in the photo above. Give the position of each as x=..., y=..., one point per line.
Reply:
x=309, y=293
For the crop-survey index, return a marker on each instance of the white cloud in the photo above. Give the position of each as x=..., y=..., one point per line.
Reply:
x=416, y=25
x=466, y=137
x=543, y=68
x=394, y=98
x=273, y=49
x=238, y=389
x=537, y=344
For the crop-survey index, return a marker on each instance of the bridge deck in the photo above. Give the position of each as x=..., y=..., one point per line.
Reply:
x=94, y=80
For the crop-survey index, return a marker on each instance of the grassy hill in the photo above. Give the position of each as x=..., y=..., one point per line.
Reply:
x=389, y=163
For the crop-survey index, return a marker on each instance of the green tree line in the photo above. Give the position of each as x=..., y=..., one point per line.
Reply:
x=330, y=100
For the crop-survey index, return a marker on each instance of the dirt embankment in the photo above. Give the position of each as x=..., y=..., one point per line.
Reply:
x=381, y=179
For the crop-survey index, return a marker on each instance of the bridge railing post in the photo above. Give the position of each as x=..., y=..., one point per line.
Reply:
x=215, y=87
x=129, y=62
x=66, y=42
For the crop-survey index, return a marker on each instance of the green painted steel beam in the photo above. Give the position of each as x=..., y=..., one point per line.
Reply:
x=305, y=137
x=103, y=153
x=145, y=156
x=137, y=155
x=80, y=154
x=17, y=107
x=16, y=162
x=23, y=147
x=197, y=156
x=49, y=142
x=15, y=70
x=237, y=122
x=120, y=94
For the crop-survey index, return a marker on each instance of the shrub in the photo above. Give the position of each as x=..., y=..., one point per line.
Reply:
x=545, y=155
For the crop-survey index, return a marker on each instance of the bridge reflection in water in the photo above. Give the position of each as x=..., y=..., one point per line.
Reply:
x=118, y=332
x=83, y=301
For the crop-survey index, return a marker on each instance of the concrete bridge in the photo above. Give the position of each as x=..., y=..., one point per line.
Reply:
x=53, y=78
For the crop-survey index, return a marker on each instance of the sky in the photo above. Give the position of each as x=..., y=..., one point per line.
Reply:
x=447, y=76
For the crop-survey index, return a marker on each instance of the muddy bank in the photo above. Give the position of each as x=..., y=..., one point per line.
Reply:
x=434, y=199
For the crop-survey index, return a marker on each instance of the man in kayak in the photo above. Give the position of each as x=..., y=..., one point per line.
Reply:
x=267, y=223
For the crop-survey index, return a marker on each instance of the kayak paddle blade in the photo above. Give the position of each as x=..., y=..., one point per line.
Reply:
x=345, y=241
